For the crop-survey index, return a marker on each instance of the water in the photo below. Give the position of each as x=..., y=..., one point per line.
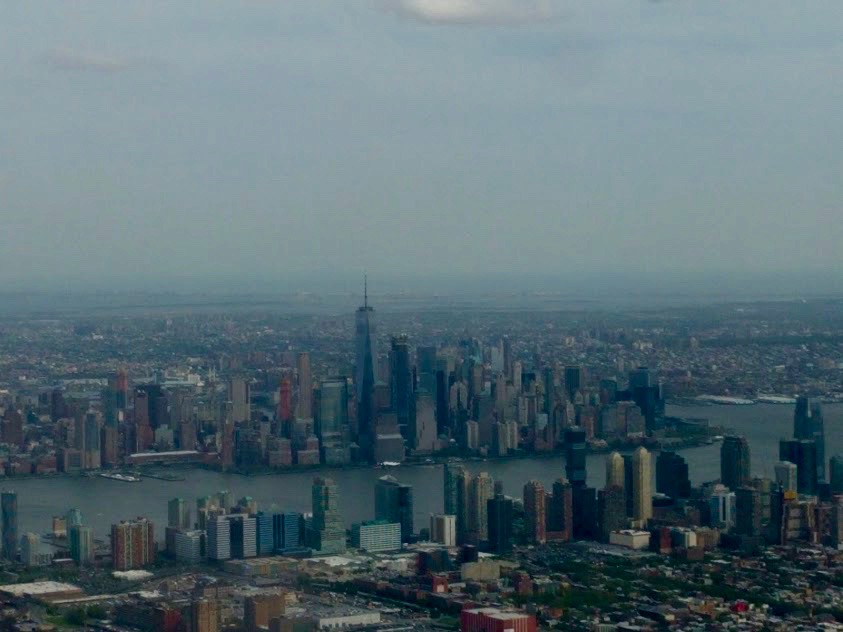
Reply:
x=104, y=502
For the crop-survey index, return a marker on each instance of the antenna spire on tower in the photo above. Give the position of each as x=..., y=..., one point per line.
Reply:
x=365, y=290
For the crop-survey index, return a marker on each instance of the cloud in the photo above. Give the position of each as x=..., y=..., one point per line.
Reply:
x=66, y=59
x=483, y=12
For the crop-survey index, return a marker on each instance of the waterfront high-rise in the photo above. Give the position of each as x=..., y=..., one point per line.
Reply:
x=178, y=513
x=81, y=541
x=808, y=424
x=132, y=544
x=332, y=421
x=672, y=475
x=456, y=492
x=365, y=353
x=500, y=512
x=9, y=511
x=480, y=491
x=611, y=510
x=734, y=462
x=394, y=503
x=561, y=511
x=218, y=538
x=804, y=454
x=614, y=470
x=443, y=529
x=642, y=494
x=328, y=535
x=575, y=453
x=535, y=513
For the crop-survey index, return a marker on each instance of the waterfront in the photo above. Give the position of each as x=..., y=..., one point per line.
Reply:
x=103, y=501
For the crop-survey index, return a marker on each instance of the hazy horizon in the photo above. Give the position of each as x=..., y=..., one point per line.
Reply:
x=679, y=145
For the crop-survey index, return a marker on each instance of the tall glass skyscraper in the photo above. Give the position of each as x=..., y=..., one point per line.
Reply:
x=328, y=537
x=808, y=424
x=365, y=352
x=394, y=503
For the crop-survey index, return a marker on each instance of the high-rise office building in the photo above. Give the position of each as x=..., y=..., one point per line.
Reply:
x=394, y=503
x=734, y=462
x=585, y=513
x=574, y=380
x=376, y=535
x=480, y=491
x=265, y=533
x=304, y=407
x=808, y=424
x=288, y=531
x=178, y=513
x=426, y=367
x=364, y=376
x=561, y=511
x=401, y=387
x=802, y=452
x=500, y=513
x=239, y=394
x=787, y=478
x=219, y=538
x=672, y=475
x=81, y=541
x=535, y=513
x=456, y=494
x=611, y=510
x=747, y=511
x=642, y=481
x=328, y=537
x=30, y=547
x=188, y=546
x=243, y=531
x=132, y=544
x=835, y=467
x=575, y=453
x=9, y=511
x=614, y=470
x=332, y=420
x=443, y=529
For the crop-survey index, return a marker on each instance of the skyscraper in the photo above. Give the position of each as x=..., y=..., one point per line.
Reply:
x=443, y=529
x=364, y=377
x=304, y=409
x=456, y=494
x=328, y=536
x=9, y=510
x=808, y=424
x=81, y=540
x=219, y=538
x=642, y=494
x=239, y=394
x=332, y=420
x=500, y=512
x=575, y=453
x=535, y=514
x=394, y=503
x=480, y=491
x=401, y=384
x=747, y=511
x=802, y=452
x=132, y=544
x=614, y=470
x=672, y=475
x=178, y=513
x=734, y=462
x=611, y=510
x=561, y=511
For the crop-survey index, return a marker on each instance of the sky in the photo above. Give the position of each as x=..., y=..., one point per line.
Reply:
x=185, y=144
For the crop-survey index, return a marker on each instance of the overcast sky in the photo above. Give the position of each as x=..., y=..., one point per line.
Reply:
x=207, y=141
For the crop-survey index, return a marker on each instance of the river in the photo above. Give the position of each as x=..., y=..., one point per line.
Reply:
x=104, y=502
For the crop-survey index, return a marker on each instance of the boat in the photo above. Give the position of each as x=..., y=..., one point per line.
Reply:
x=123, y=478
